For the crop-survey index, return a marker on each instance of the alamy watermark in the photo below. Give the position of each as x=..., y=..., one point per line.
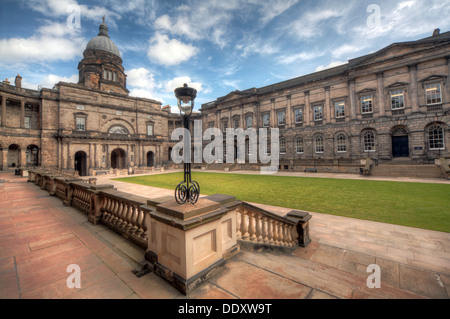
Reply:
x=74, y=280
x=374, y=280
x=374, y=20
x=257, y=145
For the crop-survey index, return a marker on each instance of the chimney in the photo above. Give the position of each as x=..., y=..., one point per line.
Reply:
x=167, y=108
x=18, y=81
x=436, y=32
x=6, y=82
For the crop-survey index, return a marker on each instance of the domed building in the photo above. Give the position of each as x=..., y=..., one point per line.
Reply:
x=101, y=67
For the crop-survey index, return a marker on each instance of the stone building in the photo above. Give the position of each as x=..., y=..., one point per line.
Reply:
x=390, y=104
x=393, y=103
x=90, y=126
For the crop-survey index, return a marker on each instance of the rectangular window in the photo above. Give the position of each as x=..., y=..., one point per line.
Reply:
x=27, y=122
x=282, y=146
x=318, y=113
x=150, y=129
x=225, y=124
x=298, y=115
x=299, y=146
x=236, y=122
x=397, y=100
x=211, y=125
x=81, y=124
x=339, y=109
x=433, y=93
x=281, y=118
x=367, y=104
x=248, y=122
x=319, y=145
x=341, y=144
x=266, y=120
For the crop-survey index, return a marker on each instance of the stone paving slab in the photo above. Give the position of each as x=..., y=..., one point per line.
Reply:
x=39, y=237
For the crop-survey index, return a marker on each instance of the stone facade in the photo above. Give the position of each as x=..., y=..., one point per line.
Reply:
x=392, y=103
x=381, y=106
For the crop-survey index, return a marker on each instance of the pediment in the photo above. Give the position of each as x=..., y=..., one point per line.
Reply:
x=397, y=84
x=435, y=77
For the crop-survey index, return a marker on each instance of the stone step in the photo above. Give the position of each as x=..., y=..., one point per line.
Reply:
x=421, y=171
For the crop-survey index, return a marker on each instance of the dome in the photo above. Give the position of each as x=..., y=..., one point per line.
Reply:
x=103, y=42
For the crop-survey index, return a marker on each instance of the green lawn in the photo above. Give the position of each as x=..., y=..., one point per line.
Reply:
x=410, y=204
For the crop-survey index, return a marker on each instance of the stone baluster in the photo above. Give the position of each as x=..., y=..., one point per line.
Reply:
x=251, y=226
x=271, y=231
x=143, y=224
x=238, y=225
x=244, y=225
x=275, y=233
x=140, y=223
x=265, y=230
x=259, y=237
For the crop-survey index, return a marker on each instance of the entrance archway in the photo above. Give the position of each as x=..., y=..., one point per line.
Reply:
x=150, y=159
x=80, y=163
x=118, y=157
x=13, y=155
x=400, y=142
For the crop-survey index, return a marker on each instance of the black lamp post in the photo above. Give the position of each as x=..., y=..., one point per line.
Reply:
x=188, y=190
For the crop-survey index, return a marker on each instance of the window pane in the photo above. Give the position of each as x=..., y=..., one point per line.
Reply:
x=433, y=94
x=436, y=138
x=299, y=146
x=266, y=120
x=318, y=113
x=340, y=109
x=397, y=100
x=366, y=104
x=341, y=144
x=281, y=118
x=319, y=144
x=81, y=124
x=369, y=142
x=298, y=115
x=150, y=129
x=282, y=146
x=248, y=121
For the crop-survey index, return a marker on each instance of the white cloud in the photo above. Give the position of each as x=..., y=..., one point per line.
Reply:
x=48, y=81
x=169, y=52
x=329, y=66
x=177, y=82
x=141, y=83
x=272, y=8
x=298, y=57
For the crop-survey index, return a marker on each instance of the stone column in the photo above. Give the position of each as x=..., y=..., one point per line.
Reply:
x=108, y=158
x=90, y=158
x=273, y=121
x=380, y=93
x=351, y=87
x=448, y=78
x=22, y=114
x=413, y=87
x=4, y=158
x=69, y=158
x=127, y=157
x=289, y=121
x=3, y=111
x=23, y=157
x=307, y=115
x=96, y=155
x=327, y=105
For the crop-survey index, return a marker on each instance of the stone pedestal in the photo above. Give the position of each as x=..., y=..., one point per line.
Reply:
x=188, y=244
x=302, y=220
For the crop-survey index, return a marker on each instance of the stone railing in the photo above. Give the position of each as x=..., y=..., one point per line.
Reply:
x=443, y=164
x=184, y=244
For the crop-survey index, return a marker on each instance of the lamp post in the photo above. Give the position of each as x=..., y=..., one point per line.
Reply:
x=188, y=190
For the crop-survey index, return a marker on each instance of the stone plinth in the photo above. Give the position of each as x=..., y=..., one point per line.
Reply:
x=188, y=244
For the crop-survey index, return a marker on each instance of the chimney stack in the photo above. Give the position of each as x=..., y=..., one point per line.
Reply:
x=18, y=81
x=436, y=32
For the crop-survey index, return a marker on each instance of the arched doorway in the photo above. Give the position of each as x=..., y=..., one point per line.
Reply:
x=32, y=155
x=118, y=157
x=80, y=163
x=150, y=159
x=400, y=142
x=13, y=155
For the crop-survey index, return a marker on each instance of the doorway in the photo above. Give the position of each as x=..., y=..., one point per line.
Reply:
x=80, y=163
x=400, y=146
x=118, y=158
x=150, y=159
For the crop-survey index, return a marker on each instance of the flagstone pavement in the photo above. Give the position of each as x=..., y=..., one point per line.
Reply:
x=40, y=238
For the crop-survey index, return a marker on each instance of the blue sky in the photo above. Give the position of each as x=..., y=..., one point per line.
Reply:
x=215, y=46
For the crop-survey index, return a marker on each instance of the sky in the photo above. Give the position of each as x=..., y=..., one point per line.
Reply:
x=214, y=46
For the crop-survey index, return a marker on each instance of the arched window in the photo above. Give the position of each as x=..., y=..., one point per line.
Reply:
x=436, y=137
x=369, y=141
x=299, y=149
x=341, y=143
x=118, y=130
x=319, y=144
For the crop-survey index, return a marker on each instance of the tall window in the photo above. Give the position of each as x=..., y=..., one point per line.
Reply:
x=298, y=116
x=319, y=145
x=266, y=120
x=397, y=99
x=266, y=146
x=341, y=144
x=433, y=93
x=367, y=104
x=299, y=145
x=281, y=118
x=211, y=125
x=282, y=146
x=248, y=122
x=149, y=129
x=236, y=122
x=369, y=141
x=339, y=109
x=224, y=124
x=318, y=113
x=27, y=122
x=436, y=137
x=81, y=124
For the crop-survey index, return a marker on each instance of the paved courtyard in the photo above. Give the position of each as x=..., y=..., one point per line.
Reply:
x=40, y=238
